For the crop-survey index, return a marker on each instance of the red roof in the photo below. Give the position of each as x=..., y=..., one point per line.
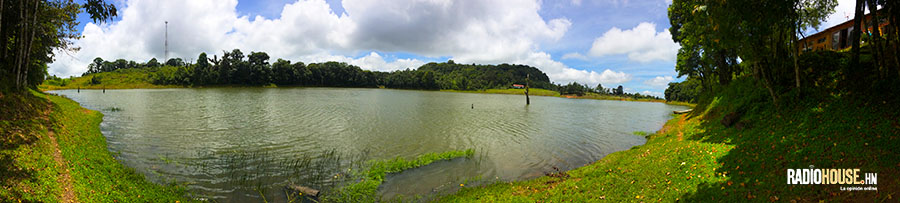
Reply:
x=518, y=85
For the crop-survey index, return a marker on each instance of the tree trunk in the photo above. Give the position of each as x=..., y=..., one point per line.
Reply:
x=877, y=51
x=766, y=82
x=854, y=36
x=2, y=42
x=892, y=16
x=19, y=46
x=724, y=68
x=30, y=42
x=1, y=21
x=796, y=54
x=527, y=99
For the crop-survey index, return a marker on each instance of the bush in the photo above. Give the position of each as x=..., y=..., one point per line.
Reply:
x=95, y=80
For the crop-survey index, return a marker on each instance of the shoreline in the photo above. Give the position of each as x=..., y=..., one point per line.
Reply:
x=609, y=167
x=696, y=157
x=64, y=156
x=96, y=127
x=535, y=91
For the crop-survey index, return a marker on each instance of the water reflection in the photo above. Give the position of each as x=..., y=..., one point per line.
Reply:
x=240, y=144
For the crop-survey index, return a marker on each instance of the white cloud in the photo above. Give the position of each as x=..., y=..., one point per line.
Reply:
x=560, y=73
x=641, y=43
x=659, y=82
x=575, y=55
x=576, y=2
x=842, y=13
x=374, y=61
x=486, y=32
x=648, y=92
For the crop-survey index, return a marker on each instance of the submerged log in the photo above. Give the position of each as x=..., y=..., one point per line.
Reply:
x=682, y=111
x=304, y=190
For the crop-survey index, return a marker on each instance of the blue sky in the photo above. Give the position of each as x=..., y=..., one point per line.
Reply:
x=613, y=42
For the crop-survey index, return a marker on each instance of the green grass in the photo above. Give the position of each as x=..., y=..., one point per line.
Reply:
x=119, y=79
x=365, y=190
x=695, y=158
x=31, y=174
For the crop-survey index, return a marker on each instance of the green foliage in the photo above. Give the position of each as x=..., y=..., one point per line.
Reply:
x=99, y=11
x=365, y=189
x=236, y=69
x=96, y=80
x=575, y=89
x=455, y=76
x=685, y=91
x=714, y=34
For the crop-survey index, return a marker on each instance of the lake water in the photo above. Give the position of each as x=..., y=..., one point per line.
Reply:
x=236, y=144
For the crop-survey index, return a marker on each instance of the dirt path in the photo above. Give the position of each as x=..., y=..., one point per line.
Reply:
x=65, y=179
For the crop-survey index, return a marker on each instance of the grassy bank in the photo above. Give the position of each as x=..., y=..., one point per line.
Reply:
x=29, y=172
x=83, y=168
x=697, y=158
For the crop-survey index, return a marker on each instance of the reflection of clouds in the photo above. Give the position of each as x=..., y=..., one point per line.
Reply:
x=227, y=141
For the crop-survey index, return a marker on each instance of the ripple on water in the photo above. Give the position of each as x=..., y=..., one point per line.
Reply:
x=233, y=144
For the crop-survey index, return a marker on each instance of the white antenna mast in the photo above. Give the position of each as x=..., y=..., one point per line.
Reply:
x=167, y=41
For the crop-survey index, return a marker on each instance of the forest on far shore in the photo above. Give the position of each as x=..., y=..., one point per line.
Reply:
x=255, y=69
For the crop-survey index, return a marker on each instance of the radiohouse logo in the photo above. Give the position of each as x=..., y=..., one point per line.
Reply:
x=833, y=176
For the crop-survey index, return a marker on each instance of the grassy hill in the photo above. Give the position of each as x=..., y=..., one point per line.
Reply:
x=119, y=79
x=695, y=157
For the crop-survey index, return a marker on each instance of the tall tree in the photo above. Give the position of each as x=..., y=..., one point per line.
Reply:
x=259, y=71
x=811, y=14
x=859, y=14
x=38, y=28
x=713, y=34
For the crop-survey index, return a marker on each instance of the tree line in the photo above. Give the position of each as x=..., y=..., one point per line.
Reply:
x=575, y=88
x=722, y=40
x=236, y=68
x=255, y=69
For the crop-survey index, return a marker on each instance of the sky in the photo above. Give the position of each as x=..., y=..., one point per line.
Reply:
x=610, y=42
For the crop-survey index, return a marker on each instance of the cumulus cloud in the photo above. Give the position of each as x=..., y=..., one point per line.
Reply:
x=648, y=92
x=641, y=43
x=374, y=61
x=574, y=55
x=660, y=82
x=487, y=32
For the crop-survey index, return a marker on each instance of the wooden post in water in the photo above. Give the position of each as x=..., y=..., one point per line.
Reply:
x=527, y=100
x=304, y=190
